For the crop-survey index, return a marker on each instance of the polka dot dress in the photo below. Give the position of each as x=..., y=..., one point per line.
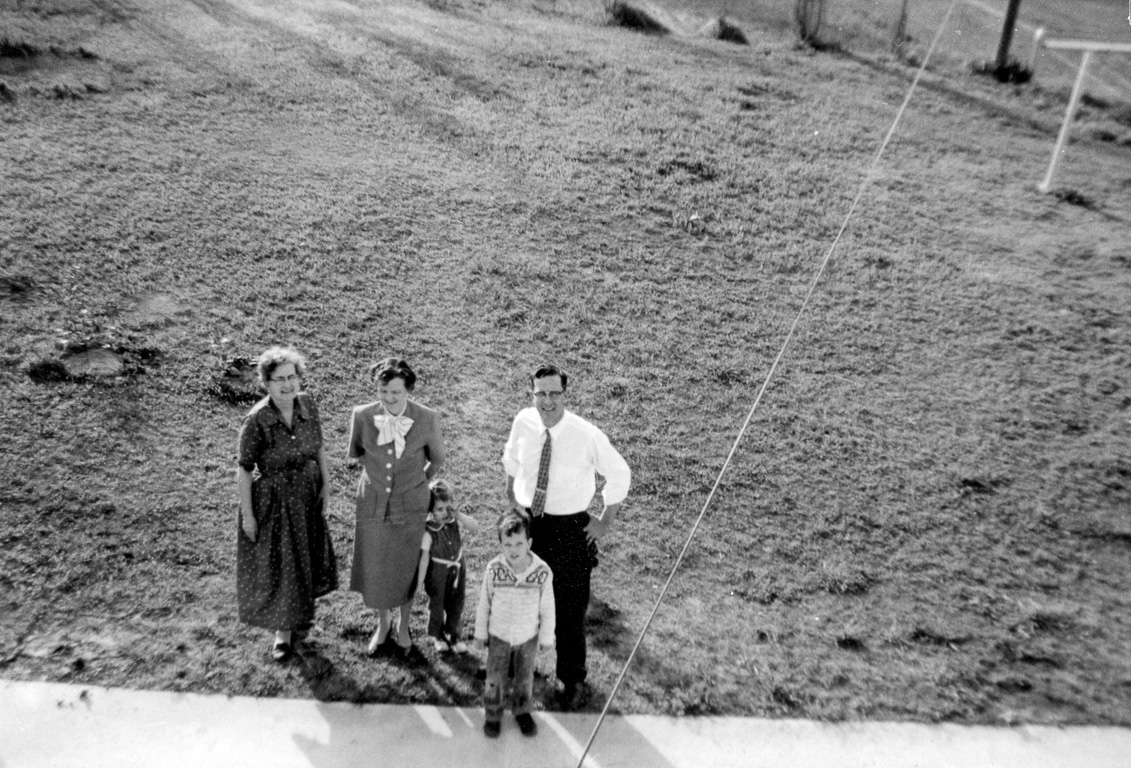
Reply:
x=291, y=562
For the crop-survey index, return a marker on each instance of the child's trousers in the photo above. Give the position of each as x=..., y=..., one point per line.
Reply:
x=500, y=655
x=446, y=590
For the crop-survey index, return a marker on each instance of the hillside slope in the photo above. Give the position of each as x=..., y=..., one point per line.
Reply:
x=927, y=520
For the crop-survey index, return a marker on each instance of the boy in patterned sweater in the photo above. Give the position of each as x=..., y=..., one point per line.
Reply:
x=515, y=617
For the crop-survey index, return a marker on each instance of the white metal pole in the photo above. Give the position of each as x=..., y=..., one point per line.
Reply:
x=1038, y=36
x=1060, y=140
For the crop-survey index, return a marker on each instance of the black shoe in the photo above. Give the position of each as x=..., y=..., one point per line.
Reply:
x=491, y=728
x=377, y=650
x=402, y=652
x=574, y=696
x=405, y=652
x=526, y=724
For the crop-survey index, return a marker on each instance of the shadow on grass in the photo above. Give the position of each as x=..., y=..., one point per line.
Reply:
x=395, y=680
x=663, y=683
x=606, y=629
x=998, y=108
x=456, y=679
x=608, y=633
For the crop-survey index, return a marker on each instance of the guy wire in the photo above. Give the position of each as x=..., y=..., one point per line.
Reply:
x=765, y=383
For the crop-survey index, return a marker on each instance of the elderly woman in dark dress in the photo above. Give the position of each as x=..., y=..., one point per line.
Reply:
x=284, y=556
x=400, y=447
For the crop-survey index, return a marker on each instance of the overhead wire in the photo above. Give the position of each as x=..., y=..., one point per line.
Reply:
x=868, y=176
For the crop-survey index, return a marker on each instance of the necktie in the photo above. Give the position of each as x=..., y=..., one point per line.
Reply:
x=538, y=506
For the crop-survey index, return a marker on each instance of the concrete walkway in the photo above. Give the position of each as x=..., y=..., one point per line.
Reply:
x=50, y=724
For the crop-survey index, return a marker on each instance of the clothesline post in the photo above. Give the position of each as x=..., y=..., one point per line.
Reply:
x=1073, y=101
x=1088, y=47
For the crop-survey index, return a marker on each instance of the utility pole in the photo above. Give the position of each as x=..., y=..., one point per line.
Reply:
x=1006, y=36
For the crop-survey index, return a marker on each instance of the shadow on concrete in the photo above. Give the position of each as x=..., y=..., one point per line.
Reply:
x=426, y=735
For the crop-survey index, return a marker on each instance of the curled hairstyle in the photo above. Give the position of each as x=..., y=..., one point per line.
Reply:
x=393, y=368
x=273, y=357
x=510, y=523
x=549, y=370
x=441, y=491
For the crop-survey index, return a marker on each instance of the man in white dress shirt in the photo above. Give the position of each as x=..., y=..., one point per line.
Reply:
x=554, y=485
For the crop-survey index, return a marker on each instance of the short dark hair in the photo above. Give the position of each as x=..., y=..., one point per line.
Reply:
x=510, y=523
x=393, y=368
x=273, y=357
x=549, y=369
x=441, y=491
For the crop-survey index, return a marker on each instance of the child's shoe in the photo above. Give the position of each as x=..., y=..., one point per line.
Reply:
x=491, y=729
x=526, y=724
x=441, y=645
x=460, y=646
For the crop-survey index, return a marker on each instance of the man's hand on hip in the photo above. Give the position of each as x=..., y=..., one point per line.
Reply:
x=598, y=527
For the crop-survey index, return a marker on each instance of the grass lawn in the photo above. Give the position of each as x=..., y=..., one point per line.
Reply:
x=928, y=519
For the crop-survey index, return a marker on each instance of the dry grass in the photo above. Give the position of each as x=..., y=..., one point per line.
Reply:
x=927, y=520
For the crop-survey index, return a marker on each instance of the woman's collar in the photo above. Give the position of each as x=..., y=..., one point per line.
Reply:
x=299, y=408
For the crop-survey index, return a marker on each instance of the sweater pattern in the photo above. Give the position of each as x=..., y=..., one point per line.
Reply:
x=516, y=606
